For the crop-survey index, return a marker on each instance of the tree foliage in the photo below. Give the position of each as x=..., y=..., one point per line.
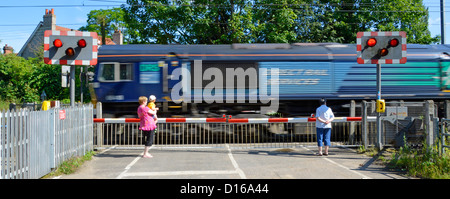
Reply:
x=24, y=80
x=105, y=22
x=15, y=79
x=271, y=21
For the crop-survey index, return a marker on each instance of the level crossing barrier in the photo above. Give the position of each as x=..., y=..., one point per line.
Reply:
x=240, y=132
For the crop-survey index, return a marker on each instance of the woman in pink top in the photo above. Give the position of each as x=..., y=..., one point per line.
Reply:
x=147, y=124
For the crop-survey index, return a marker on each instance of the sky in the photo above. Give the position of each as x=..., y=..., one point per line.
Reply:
x=18, y=19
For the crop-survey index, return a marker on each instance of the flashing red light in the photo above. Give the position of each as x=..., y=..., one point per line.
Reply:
x=393, y=42
x=383, y=52
x=371, y=42
x=81, y=43
x=70, y=52
x=58, y=43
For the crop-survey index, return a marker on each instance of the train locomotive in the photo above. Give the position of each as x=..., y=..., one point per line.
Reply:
x=244, y=79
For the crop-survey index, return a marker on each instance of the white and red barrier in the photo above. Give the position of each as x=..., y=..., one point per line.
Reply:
x=230, y=120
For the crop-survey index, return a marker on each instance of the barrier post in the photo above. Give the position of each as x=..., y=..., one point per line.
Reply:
x=364, y=123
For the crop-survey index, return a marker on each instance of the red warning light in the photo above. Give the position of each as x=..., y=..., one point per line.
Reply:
x=393, y=42
x=371, y=42
x=383, y=52
x=81, y=43
x=70, y=52
x=58, y=43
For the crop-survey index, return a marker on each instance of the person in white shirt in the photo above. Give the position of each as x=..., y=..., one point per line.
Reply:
x=324, y=117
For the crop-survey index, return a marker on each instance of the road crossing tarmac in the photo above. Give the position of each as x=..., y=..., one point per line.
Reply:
x=228, y=162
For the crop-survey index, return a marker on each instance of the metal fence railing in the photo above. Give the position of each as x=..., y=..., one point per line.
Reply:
x=444, y=134
x=34, y=142
x=404, y=123
x=240, y=132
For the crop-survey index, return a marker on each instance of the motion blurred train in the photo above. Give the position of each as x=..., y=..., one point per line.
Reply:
x=240, y=79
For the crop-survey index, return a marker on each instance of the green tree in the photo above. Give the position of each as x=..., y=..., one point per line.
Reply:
x=410, y=16
x=272, y=21
x=154, y=21
x=339, y=20
x=210, y=21
x=105, y=22
x=276, y=20
x=23, y=80
x=16, y=79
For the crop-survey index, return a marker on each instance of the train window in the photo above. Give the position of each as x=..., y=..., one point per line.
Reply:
x=125, y=72
x=107, y=72
x=112, y=72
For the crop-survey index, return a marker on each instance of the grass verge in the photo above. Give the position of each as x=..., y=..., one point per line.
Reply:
x=421, y=162
x=71, y=165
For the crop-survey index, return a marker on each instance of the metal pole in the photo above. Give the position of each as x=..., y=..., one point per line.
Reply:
x=442, y=136
x=364, y=123
x=380, y=144
x=442, y=22
x=81, y=83
x=72, y=86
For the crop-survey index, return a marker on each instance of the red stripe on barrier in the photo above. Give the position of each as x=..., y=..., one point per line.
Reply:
x=175, y=120
x=216, y=120
x=132, y=120
x=240, y=120
x=97, y=120
x=311, y=119
x=278, y=119
x=352, y=119
x=220, y=120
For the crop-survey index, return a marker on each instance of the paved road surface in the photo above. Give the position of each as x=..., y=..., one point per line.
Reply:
x=231, y=163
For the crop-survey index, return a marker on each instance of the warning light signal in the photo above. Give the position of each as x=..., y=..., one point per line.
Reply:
x=371, y=42
x=58, y=43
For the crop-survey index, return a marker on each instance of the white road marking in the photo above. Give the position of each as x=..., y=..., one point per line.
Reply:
x=342, y=166
x=236, y=166
x=178, y=173
x=237, y=170
x=128, y=167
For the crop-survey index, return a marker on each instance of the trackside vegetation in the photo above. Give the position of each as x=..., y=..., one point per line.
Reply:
x=24, y=80
x=424, y=162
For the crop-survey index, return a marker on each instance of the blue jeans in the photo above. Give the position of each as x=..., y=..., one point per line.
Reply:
x=323, y=135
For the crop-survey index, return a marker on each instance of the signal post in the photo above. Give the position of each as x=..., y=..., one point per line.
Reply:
x=70, y=48
x=380, y=48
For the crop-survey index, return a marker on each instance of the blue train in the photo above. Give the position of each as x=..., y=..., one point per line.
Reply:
x=212, y=80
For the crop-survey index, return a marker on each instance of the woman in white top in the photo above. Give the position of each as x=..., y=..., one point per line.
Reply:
x=324, y=117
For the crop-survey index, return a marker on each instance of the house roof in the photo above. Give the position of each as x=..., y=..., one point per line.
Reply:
x=20, y=53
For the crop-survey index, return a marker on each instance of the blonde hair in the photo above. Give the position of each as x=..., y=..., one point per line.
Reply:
x=142, y=99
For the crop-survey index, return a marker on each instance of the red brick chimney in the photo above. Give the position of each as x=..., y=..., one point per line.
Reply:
x=7, y=49
x=49, y=19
